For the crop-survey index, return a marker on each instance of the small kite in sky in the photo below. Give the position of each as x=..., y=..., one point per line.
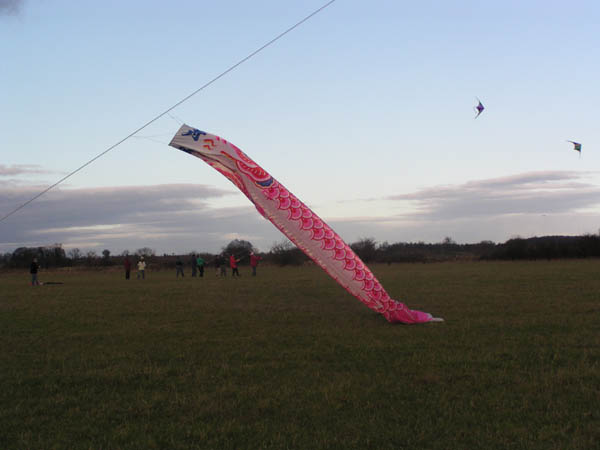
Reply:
x=479, y=108
x=576, y=146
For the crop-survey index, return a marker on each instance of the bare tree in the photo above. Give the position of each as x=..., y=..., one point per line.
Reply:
x=286, y=253
x=145, y=251
x=365, y=248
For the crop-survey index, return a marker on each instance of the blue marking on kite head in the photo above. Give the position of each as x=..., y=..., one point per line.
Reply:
x=266, y=183
x=195, y=133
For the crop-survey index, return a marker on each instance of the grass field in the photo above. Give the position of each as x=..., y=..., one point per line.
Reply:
x=290, y=360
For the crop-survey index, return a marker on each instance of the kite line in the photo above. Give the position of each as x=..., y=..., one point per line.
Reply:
x=204, y=86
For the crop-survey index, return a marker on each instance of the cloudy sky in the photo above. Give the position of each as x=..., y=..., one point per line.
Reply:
x=365, y=112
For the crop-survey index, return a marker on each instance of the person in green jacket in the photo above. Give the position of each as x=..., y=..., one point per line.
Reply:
x=200, y=265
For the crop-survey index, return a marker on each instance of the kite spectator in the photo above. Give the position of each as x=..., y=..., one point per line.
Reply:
x=141, y=266
x=223, y=265
x=127, y=264
x=254, y=259
x=217, y=264
x=194, y=266
x=33, y=270
x=200, y=265
x=233, y=264
x=179, y=267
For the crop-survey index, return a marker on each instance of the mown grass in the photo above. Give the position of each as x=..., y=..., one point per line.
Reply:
x=290, y=360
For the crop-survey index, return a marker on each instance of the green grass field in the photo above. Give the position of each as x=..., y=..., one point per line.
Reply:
x=290, y=360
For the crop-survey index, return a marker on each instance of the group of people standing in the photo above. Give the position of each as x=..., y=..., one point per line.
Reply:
x=220, y=263
x=197, y=263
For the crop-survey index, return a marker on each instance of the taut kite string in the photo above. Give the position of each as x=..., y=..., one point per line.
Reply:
x=222, y=74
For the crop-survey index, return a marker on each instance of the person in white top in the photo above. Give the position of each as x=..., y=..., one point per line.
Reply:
x=141, y=266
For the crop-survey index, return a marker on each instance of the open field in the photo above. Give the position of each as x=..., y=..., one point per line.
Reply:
x=290, y=360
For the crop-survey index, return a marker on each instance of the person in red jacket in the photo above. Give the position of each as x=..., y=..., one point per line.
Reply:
x=254, y=259
x=233, y=264
x=127, y=265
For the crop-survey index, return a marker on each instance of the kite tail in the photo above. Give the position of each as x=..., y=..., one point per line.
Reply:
x=408, y=316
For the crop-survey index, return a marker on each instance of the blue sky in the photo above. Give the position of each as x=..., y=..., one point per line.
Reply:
x=364, y=112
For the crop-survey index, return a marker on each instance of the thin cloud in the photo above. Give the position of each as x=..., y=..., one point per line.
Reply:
x=527, y=204
x=108, y=205
x=529, y=193
x=11, y=7
x=22, y=169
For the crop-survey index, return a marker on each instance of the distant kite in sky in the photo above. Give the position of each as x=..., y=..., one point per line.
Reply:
x=295, y=220
x=576, y=146
x=479, y=108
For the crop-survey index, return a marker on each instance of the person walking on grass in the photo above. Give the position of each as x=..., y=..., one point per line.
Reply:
x=254, y=259
x=233, y=264
x=141, y=266
x=179, y=267
x=33, y=270
x=127, y=264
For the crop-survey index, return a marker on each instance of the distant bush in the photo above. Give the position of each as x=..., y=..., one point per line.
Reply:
x=547, y=247
x=286, y=254
x=49, y=256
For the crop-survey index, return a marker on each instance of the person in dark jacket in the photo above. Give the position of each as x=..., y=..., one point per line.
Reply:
x=33, y=270
x=223, y=266
x=194, y=265
x=179, y=267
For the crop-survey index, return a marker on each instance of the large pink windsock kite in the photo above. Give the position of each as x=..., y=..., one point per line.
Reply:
x=294, y=219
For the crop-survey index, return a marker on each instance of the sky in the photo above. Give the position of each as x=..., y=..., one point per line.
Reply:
x=364, y=112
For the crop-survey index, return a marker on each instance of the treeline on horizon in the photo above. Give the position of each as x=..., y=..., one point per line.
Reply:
x=285, y=253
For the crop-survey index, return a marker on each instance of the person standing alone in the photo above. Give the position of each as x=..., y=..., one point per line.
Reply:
x=33, y=270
